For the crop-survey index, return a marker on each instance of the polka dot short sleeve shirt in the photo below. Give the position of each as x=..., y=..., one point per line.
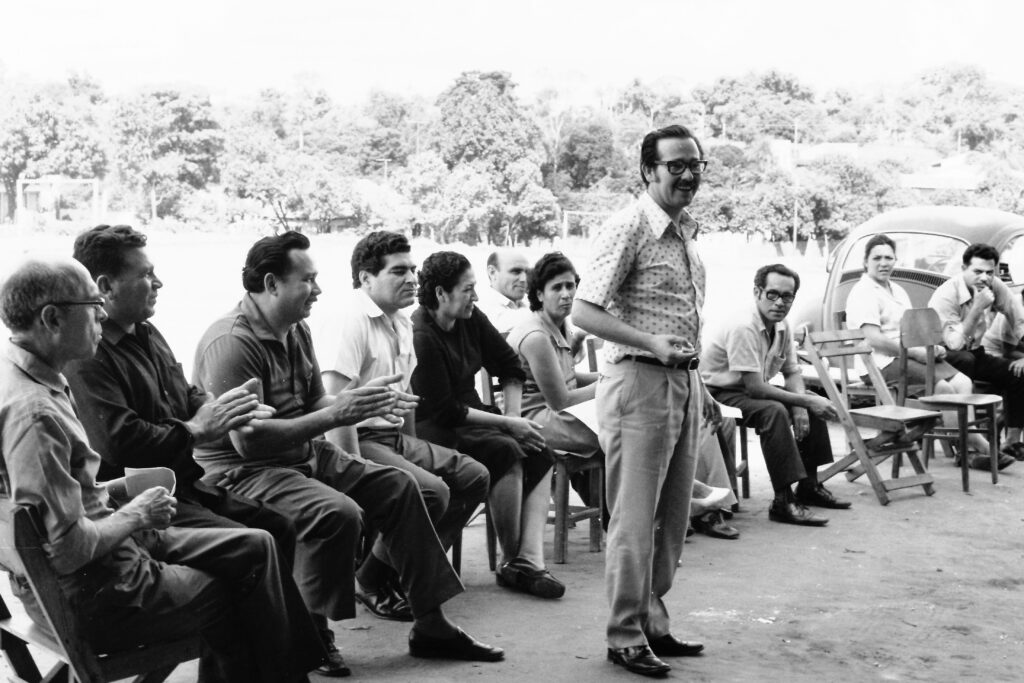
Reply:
x=646, y=271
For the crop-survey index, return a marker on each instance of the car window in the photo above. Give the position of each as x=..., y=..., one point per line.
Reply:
x=917, y=251
x=1012, y=258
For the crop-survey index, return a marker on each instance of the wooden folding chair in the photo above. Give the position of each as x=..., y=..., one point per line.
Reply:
x=77, y=661
x=899, y=428
x=922, y=327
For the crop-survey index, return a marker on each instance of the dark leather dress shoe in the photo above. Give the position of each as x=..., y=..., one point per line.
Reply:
x=712, y=524
x=462, y=646
x=521, y=575
x=820, y=497
x=791, y=512
x=670, y=646
x=385, y=603
x=334, y=665
x=639, y=660
x=984, y=462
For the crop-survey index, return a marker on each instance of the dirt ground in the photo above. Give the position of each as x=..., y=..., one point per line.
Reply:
x=924, y=589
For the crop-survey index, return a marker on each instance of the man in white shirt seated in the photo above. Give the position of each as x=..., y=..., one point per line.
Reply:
x=504, y=302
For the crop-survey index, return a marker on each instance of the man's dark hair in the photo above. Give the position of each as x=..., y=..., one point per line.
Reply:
x=372, y=251
x=986, y=252
x=761, y=276
x=270, y=255
x=492, y=260
x=877, y=240
x=441, y=269
x=649, y=147
x=102, y=249
x=544, y=271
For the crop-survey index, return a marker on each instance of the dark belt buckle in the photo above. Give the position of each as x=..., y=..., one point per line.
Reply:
x=690, y=364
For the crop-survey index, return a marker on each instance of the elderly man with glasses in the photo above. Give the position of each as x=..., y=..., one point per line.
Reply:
x=738, y=362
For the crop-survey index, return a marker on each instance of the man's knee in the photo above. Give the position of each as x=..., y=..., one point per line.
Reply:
x=476, y=481
x=772, y=415
x=334, y=515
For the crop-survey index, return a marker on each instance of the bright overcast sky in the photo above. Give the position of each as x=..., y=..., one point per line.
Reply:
x=235, y=47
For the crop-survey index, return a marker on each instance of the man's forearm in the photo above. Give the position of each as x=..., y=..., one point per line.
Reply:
x=271, y=437
x=600, y=323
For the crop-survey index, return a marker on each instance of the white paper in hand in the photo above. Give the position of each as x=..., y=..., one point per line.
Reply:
x=138, y=479
x=586, y=413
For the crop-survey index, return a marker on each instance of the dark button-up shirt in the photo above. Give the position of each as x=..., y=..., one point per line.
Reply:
x=134, y=400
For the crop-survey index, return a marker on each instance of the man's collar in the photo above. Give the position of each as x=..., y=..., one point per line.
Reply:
x=114, y=333
x=963, y=292
x=35, y=367
x=260, y=327
x=660, y=221
x=367, y=305
x=762, y=326
x=497, y=299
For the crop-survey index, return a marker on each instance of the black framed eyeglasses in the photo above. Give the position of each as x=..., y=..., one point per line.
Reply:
x=677, y=166
x=97, y=303
x=773, y=295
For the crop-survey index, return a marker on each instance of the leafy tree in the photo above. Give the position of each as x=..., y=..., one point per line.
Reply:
x=47, y=129
x=531, y=209
x=471, y=206
x=481, y=121
x=167, y=137
x=588, y=154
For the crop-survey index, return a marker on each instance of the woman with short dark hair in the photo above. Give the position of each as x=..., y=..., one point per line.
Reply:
x=453, y=341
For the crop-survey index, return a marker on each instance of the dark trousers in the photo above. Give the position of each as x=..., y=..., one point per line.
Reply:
x=329, y=498
x=981, y=366
x=456, y=482
x=202, y=506
x=226, y=584
x=787, y=459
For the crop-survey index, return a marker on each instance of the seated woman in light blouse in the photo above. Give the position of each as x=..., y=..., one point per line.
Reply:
x=553, y=384
x=453, y=340
x=875, y=306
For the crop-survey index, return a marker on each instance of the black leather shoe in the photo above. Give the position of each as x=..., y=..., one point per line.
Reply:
x=521, y=575
x=984, y=462
x=334, y=666
x=712, y=524
x=670, y=646
x=639, y=660
x=385, y=603
x=462, y=646
x=820, y=497
x=791, y=512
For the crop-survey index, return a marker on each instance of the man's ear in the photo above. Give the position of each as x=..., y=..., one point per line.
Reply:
x=270, y=283
x=364, y=278
x=105, y=284
x=50, y=317
x=440, y=293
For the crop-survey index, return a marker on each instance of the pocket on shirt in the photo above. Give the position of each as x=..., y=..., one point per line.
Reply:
x=661, y=274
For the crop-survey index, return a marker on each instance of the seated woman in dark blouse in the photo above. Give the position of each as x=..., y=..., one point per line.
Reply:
x=453, y=340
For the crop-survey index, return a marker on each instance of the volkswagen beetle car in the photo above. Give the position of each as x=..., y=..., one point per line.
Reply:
x=930, y=242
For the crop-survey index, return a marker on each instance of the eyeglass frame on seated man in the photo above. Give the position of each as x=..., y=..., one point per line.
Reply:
x=775, y=295
x=98, y=302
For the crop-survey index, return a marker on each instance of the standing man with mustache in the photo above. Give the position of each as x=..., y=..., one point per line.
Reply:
x=368, y=337
x=738, y=361
x=643, y=293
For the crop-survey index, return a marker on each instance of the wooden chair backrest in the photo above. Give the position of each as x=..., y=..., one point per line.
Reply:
x=919, y=327
x=152, y=662
x=844, y=345
x=28, y=539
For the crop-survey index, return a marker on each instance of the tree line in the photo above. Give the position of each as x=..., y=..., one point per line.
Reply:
x=479, y=163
